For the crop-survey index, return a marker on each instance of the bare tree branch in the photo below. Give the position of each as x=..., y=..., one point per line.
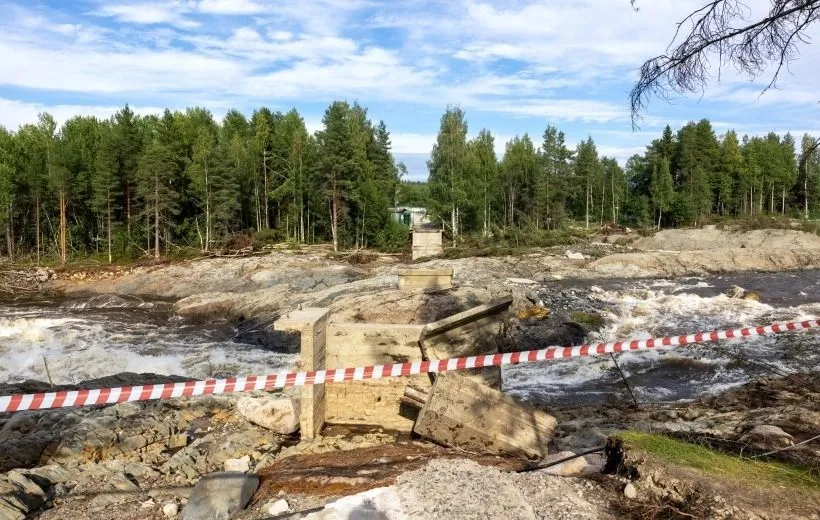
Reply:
x=751, y=48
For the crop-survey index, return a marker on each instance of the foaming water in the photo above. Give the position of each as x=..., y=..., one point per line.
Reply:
x=650, y=308
x=86, y=339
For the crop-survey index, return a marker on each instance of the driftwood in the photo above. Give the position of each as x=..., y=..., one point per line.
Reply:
x=14, y=281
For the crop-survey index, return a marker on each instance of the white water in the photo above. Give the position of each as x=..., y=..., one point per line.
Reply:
x=102, y=336
x=652, y=308
x=80, y=341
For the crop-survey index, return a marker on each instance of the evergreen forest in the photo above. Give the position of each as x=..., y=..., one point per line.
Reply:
x=133, y=186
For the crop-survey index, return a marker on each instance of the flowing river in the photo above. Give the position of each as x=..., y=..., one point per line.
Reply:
x=85, y=339
x=639, y=309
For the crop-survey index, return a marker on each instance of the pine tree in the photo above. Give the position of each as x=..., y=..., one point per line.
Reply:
x=224, y=191
x=337, y=164
x=588, y=170
x=448, y=178
x=662, y=189
x=556, y=164
x=789, y=172
x=482, y=150
x=155, y=187
x=615, y=183
x=201, y=171
x=129, y=147
x=7, y=178
x=728, y=172
x=106, y=182
x=518, y=171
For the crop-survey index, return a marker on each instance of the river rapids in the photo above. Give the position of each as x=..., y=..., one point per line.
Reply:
x=70, y=341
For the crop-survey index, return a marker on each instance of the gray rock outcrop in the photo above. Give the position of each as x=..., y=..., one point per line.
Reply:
x=219, y=496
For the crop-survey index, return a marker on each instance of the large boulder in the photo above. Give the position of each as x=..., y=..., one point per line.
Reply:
x=219, y=496
x=767, y=437
x=740, y=293
x=280, y=415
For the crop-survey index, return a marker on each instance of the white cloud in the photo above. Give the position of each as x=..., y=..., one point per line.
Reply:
x=77, y=69
x=527, y=60
x=14, y=113
x=588, y=110
x=619, y=153
x=280, y=35
x=246, y=44
x=233, y=7
x=176, y=12
x=412, y=143
x=148, y=13
x=374, y=73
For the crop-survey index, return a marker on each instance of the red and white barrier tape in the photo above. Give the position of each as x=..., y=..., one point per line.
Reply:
x=43, y=401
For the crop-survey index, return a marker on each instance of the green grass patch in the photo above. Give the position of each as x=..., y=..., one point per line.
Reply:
x=733, y=468
x=590, y=320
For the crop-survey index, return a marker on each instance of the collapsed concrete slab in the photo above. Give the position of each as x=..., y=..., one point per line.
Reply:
x=460, y=412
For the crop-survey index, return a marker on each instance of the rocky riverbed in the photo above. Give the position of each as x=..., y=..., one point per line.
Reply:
x=146, y=460
x=149, y=460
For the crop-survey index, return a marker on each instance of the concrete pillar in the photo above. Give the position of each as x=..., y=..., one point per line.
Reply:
x=311, y=324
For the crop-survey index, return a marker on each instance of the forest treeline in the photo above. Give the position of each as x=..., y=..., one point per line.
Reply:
x=685, y=178
x=134, y=185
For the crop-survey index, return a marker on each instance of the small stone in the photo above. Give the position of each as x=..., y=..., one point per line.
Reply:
x=521, y=281
x=751, y=296
x=117, y=490
x=279, y=415
x=569, y=468
x=572, y=255
x=148, y=503
x=629, y=491
x=220, y=496
x=170, y=510
x=241, y=465
x=276, y=507
x=179, y=440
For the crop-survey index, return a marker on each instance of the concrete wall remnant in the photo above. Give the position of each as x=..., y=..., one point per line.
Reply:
x=426, y=242
x=311, y=323
x=327, y=345
x=425, y=278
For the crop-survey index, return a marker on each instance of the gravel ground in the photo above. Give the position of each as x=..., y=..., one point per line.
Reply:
x=463, y=490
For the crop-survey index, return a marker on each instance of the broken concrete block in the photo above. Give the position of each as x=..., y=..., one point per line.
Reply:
x=460, y=412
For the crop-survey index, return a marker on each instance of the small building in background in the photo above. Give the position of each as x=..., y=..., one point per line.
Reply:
x=426, y=238
x=411, y=216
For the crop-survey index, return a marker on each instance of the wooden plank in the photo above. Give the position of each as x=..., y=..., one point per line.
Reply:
x=460, y=412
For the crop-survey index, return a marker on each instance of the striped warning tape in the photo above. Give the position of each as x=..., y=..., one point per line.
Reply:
x=100, y=396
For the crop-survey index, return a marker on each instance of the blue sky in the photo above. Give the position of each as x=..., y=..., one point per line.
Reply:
x=514, y=66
